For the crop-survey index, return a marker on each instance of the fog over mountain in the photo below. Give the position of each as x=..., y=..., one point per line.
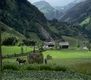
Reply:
x=54, y=11
x=57, y=2
x=49, y=11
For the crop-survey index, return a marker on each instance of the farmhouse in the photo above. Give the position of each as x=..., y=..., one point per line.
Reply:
x=49, y=45
x=85, y=48
x=63, y=45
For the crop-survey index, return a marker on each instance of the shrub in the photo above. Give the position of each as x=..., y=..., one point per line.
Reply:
x=10, y=41
x=45, y=68
x=58, y=68
x=29, y=43
x=32, y=67
x=36, y=67
x=41, y=49
x=49, y=57
x=10, y=67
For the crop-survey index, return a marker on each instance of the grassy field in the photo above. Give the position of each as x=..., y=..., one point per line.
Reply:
x=76, y=60
x=8, y=50
x=68, y=54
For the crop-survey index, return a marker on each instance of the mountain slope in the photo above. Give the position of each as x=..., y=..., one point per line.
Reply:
x=23, y=17
x=49, y=12
x=68, y=6
x=78, y=13
x=27, y=20
x=10, y=32
x=86, y=25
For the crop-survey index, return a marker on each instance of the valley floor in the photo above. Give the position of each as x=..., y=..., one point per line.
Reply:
x=78, y=61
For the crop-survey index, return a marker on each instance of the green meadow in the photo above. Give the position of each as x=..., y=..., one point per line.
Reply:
x=68, y=54
x=9, y=50
x=75, y=60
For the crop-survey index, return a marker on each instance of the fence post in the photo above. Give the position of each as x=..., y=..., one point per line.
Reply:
x=0, y=56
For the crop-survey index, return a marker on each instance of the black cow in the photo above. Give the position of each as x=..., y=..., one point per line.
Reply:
x=21, y=61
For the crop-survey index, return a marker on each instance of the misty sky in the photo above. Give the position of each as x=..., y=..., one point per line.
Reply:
x=55, y=2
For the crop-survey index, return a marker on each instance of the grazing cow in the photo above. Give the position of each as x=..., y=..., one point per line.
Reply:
x=21, y=61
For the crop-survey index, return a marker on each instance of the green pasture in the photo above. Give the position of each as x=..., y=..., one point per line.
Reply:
x=64, y=54
x=76, y=60
x=8, y=50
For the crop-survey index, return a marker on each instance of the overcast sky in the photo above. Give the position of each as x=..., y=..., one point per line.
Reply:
x=55, y=2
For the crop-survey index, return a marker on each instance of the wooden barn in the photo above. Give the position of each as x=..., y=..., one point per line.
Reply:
x=63, y=45
x=49, y=45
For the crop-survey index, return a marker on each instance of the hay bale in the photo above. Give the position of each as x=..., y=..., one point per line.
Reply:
x=35, y=57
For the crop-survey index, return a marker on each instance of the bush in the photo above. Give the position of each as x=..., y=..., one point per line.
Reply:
x=29, y=43
x=36, y=67
x=41, y=49
x=10, y=41
x=32, y=67
x=10, y=67
x=58, y=68
x=49, y=57
x=45, y=68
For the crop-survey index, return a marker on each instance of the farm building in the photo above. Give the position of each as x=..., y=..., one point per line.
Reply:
x=85, y=48
x=49, y=45
x=63, y=45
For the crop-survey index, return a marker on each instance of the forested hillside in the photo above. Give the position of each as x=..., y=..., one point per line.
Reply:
x=78, y=13
x=23, y=17
x=26, y=19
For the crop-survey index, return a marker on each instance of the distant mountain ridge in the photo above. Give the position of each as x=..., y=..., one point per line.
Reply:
x=54, y=12
x=67, y=7
x=49, y=12
x=78, y=13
